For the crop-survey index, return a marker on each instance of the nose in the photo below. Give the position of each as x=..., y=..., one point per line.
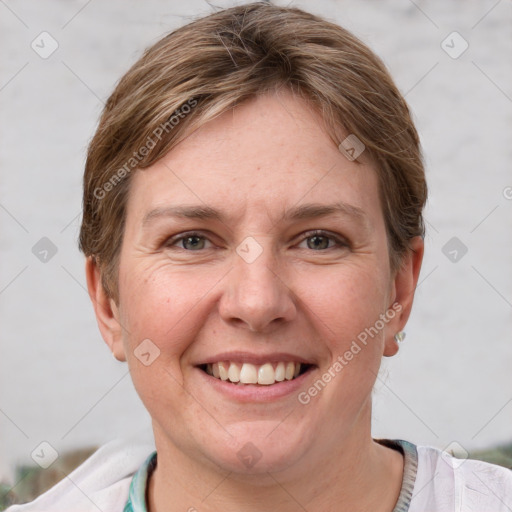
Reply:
x=256, y=294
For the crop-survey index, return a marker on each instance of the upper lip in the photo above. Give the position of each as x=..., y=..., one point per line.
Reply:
x=258, y=359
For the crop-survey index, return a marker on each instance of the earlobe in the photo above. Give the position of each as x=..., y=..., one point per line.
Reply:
x=404, y=286
x=105, y=309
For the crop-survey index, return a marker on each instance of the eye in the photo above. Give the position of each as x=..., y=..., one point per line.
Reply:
x=319, y=240
x=188, y=241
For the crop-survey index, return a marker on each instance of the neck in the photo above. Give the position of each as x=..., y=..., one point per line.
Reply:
x=354, y=474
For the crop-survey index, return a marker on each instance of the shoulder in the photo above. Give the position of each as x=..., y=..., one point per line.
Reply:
x=102, y=482
x=445, y=483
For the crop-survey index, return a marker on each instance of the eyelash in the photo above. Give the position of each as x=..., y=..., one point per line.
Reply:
x=339, y=242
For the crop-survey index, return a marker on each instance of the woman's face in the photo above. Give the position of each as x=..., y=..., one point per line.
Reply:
x=257, y=241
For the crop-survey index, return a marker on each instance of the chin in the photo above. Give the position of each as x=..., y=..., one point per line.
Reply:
x=260, y=447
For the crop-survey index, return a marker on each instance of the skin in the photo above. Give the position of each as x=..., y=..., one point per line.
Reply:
x=193, y=301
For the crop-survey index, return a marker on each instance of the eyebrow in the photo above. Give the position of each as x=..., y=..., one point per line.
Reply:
x=183, y=212
x=305, y=211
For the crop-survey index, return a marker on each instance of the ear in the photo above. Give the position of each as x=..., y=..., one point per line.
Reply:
x=107, y=313
x=402, y=293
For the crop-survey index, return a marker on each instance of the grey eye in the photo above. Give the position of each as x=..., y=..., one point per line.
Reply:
x=318, y=242
x=193, y=242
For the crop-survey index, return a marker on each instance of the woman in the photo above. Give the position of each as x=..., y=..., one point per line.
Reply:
x=253, y=230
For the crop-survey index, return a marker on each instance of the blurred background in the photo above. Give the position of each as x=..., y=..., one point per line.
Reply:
x=450, y=386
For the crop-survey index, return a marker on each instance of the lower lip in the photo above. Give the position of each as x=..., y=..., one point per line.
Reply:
x=257, y=392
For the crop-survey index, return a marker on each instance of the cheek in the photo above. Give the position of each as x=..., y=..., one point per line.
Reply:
x=345, y=306
x=163, y=305
x=161, y=316
x=346, y=302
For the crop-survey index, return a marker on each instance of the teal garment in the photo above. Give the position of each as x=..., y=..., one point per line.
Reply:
x=138, y=487
x=137, y=495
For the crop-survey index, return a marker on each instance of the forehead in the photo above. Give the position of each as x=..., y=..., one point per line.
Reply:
x=269, y=154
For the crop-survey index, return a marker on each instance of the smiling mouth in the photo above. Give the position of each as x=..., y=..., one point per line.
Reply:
x=246, y=373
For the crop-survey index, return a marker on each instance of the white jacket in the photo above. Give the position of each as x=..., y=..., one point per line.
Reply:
x=433, y=482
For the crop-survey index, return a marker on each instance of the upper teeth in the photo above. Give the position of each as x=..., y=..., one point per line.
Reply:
x=248, y=373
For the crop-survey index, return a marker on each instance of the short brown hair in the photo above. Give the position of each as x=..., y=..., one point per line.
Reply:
x=214, y=63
